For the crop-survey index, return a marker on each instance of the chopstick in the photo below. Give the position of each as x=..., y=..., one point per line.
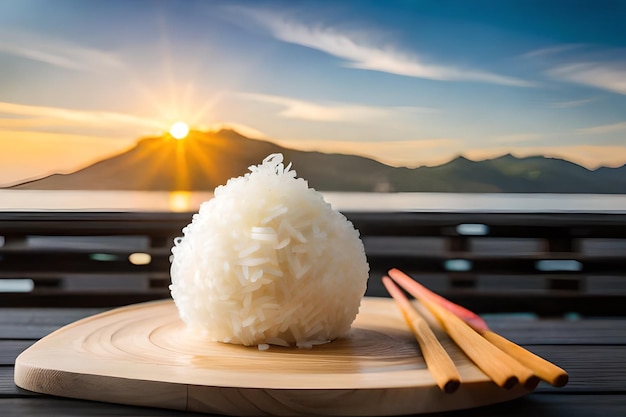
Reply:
x=505, y=371
x=542, y=368
x=437, y=360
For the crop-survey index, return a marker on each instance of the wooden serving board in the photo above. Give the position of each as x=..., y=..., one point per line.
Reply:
x=143, y=355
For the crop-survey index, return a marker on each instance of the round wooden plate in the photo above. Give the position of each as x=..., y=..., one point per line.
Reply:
x=143, y=355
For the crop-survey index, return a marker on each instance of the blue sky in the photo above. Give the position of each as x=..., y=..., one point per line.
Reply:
x=407, y=82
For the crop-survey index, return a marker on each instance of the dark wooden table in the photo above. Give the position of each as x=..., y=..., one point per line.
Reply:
x=593, y=350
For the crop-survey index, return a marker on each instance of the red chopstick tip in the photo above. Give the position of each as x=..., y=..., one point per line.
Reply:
x=418, y=290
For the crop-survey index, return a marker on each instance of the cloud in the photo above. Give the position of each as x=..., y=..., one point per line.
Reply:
x=330, y=112
x=603, y=129
x=609, y=76
x=56, y=52
x=584, y=64
x=360, y=52
x=552, y=50
x=21, y=116
x=569, y=104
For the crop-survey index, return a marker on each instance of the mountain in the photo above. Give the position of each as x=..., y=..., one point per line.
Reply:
x=205, y=160
x=536, y=174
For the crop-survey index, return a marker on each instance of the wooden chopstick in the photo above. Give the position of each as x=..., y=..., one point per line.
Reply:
x=545, y=370
x=437, y=360
x=471, y=318
x=542, y=368
x=503, y=369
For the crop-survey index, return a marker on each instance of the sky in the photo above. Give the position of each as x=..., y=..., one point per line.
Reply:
x=409, y=83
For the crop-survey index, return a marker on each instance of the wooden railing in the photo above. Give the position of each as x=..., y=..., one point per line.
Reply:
x=548, y=264
x=542, y=263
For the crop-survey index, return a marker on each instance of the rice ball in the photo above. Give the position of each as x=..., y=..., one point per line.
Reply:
x=268, y=261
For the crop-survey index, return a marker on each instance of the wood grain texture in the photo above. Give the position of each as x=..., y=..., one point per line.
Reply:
x=544, y=369
x=143, y=355
x=437, y=359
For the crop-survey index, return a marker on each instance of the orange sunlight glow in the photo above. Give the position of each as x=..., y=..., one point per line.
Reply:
x=179, y=201
x=179, y=130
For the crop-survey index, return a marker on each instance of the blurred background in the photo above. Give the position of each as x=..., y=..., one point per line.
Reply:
x=499, y=126
x=451, y=96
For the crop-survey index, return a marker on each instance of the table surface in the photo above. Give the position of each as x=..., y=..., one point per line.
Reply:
x=592, y=350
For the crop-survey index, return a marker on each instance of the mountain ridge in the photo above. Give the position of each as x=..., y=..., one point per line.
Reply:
x=205, y=160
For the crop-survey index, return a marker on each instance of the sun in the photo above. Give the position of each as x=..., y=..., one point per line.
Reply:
x=179, y=130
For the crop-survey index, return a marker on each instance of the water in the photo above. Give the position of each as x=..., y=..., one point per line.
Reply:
x=182, y=201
